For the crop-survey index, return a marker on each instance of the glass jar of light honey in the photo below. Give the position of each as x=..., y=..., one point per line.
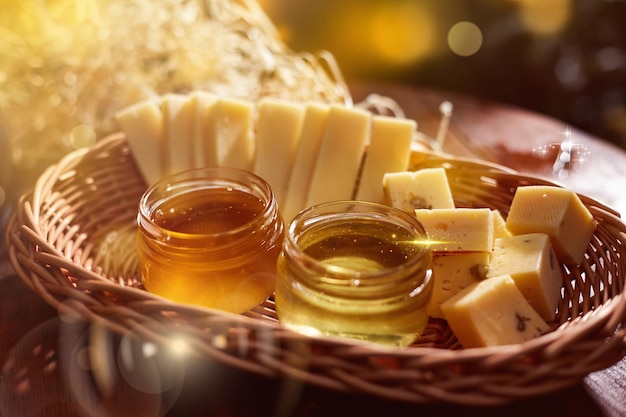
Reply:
x=355, y=269
x=210, y=237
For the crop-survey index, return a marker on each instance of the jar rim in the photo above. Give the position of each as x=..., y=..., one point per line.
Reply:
x=324, y=213
x=201, y=179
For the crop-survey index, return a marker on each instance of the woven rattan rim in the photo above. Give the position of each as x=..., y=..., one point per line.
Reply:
x=56, y=236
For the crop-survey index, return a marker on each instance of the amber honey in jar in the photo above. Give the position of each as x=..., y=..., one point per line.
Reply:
x=210, y=237
x=355, y=269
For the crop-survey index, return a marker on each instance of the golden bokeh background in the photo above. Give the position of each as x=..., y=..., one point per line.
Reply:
x=67, y=65
x=565, y=58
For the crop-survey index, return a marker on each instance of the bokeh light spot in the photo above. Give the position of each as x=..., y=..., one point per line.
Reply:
x=402, y=32
x=610, y=59
x=569, y=69
x=465, y=38
x=179, y=346
x=82, y=136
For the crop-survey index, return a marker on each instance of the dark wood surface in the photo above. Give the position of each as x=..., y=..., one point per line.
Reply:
x=44, y=356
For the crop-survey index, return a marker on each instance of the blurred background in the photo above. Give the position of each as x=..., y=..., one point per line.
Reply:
x=67, y=65
x=564, y=58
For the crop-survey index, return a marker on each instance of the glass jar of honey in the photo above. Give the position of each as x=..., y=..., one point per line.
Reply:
x=355, y=269
x=210, y=237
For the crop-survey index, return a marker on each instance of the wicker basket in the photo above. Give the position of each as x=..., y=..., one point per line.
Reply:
x=70, y=240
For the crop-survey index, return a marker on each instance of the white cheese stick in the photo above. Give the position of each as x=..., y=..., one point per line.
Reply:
x=389, y=151
x=178, y=114
x=312, y=131
x=230, y=126
x=204, y=146
x=339, y=160
x=278, y=130
x=142, y=123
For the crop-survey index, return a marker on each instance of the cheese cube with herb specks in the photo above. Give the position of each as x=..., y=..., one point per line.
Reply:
x=426, y=188
x=458, y=230
x=492, y=312
x=531, y=262
x=452, y=273
x=556, y=211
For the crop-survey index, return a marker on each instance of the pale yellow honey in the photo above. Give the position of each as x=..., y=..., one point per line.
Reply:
x=363, y=292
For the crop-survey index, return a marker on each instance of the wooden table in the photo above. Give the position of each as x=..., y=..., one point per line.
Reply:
x=44, y=356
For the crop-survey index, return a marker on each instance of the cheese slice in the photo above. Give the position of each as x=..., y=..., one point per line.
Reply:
x=142, y=123
x=389, y=151
x=313, y=126
x=556, y=211
x=531, y=262
x=452, y=273
x=339, y=160
x=492, y=312
x=277, y=133
x=426, y=188
x=204, y=145
x=178, y=116
x=230, y=129
x=458, y=230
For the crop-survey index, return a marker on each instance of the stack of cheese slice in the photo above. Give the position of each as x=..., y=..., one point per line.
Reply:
x=496, y=281
x=308, y=152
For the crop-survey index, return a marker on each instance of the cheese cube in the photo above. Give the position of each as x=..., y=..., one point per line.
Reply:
x=531, y=262
x=451, y=273
x=142, y=123
x=204, y=145
x=556, y=211
x=313, y=126
x=389, y=150
x=277, y=133
x=178, y=116
x=499, y=225
x=426, y=188
x=492, y=312
x=458, y=230
x=230, y=128
x=339, y=160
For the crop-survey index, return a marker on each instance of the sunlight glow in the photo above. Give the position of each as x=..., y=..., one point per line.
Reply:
x=402, y=32
x=545, y=17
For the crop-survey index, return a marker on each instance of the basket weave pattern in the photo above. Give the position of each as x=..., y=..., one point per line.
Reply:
x=71, y=241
